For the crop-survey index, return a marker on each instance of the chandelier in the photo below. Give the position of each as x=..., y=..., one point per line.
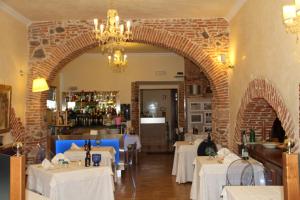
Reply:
x=291, y=17
x=113, y=31
x=117, y=60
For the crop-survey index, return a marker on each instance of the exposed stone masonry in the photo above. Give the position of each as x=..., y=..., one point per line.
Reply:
x=54, y=44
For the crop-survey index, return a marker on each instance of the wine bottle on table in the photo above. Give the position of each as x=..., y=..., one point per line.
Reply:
x=245, y=154
x=87, y=162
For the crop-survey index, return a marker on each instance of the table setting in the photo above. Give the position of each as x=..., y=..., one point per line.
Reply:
x=76, y=153
x=209, y=175
x=253, y=192
x=62, y=179
x=185, y=153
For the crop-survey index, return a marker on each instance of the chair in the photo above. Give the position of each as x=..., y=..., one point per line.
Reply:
x=240, y=172
x=262, y=176
x=131, y=150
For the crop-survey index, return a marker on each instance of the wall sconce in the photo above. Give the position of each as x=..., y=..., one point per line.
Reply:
x=223, y=60
x=39, y=85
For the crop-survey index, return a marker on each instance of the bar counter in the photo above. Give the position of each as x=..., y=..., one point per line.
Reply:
x=272, y=161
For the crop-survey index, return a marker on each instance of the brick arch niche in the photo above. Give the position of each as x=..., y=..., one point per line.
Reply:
x=260, y=104
x=47, y=64
x=259, y=116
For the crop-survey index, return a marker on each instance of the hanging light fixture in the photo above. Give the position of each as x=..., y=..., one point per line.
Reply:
x=291, y=17
x=113, y=31
x=39, y=85
x=117, y=60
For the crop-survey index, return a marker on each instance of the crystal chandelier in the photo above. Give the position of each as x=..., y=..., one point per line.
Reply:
x=113, y=31
x=117, y=60
x=291, y=17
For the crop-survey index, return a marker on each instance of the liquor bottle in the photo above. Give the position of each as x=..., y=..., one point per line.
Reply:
x=87, y=162
x=245, y=154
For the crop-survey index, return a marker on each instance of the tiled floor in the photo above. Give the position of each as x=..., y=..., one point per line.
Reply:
x=153, y=180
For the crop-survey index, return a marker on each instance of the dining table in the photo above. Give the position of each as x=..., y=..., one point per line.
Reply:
x=184, y=155
x=209, y=177
x=107, y=154
x=253, y=192
x=71, y=181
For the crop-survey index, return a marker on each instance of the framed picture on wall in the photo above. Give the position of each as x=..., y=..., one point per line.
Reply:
x=207, y=129
x=196, y=118
x=195, y=106
x=207, y=118
x=5, y=106
x=207, y=106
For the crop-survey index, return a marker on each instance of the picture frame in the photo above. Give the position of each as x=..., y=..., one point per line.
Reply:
x=196, y=118
x=5, y=107
x=207, y=117
x=207, y=129
x=195, y=106
x=207, y=106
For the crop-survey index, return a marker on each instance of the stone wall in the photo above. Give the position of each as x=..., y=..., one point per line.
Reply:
x=54, y=44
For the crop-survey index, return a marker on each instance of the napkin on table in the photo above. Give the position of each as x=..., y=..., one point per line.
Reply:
x=198, y=141
x=58, y=157
x=46, y=164
x=74, y=146
x=223, y=152
x=230, y=158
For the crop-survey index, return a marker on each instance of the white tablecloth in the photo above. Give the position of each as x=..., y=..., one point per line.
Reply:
x=184, y=156
x=107, y=155
x=210, y=176
x=192, y=137
x=29, y=195
x=131, y=139
x=72, y=183
x=253, y=192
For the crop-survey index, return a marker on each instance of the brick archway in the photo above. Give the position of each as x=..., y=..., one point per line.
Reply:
x=59, y=56
x=261, y=89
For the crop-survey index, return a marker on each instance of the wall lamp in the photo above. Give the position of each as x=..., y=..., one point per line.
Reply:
x=223, y=60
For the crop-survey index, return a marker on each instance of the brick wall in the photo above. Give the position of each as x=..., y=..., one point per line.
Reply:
x=257, y=112
x=263, y=89
x=54, y=44
x=17, y=129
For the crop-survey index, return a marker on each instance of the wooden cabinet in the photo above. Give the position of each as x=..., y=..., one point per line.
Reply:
x=272, y=161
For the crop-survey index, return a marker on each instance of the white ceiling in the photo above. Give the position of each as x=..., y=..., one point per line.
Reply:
x=42, y=10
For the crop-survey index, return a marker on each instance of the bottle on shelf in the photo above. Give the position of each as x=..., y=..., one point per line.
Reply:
x=252, y=135
x=245, y=154
x=87, y=162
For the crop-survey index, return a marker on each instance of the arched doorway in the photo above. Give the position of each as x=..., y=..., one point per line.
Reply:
x=68, y=50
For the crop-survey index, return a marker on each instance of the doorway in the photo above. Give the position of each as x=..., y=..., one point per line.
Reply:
x=158, y=119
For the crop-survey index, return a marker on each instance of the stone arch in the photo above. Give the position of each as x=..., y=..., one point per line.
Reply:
x=260, y=88
x=59, y=56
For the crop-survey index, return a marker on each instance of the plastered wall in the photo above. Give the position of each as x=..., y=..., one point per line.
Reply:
x=261, y=49
x=13, y=58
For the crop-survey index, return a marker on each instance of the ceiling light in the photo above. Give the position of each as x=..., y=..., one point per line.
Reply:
x=117, y=60
x=39, y=85
x=291, y=17
x=113, y=31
